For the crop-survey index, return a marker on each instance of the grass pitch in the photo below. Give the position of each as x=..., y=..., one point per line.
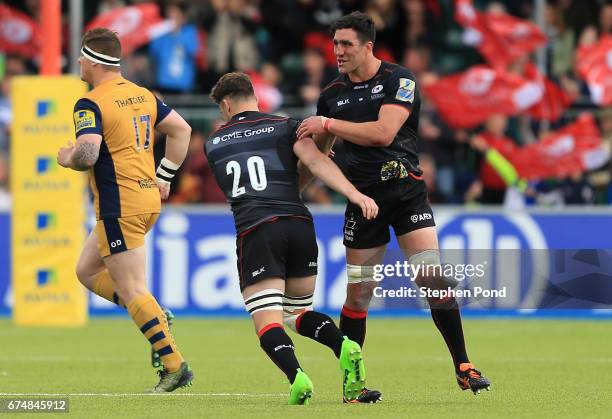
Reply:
x=539, y=368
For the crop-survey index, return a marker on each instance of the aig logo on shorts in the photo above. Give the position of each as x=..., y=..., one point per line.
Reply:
x=420, y=217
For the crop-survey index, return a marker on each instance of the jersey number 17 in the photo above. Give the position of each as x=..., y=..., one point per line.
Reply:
x=146, y=120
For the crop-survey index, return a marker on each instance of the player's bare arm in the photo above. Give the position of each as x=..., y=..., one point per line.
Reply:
x=324, y=142
x=322, y=167
x=379, y=133
x=81, y=156
x=178, y=135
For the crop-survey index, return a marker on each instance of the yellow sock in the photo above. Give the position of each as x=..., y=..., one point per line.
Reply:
x=104, y=286
x=150, y=318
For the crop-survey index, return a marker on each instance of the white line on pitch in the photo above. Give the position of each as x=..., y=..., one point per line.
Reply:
x=140, y=394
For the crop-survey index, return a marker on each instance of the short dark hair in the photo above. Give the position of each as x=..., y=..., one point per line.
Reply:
x=360, y=23
x=103, y=41
x=234, y=85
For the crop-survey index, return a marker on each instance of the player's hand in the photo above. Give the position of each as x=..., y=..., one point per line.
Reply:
x=368, y=205
x=64, y=155
x=314, y=125
x=164, y=188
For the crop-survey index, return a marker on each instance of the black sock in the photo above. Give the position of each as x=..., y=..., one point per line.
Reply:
x=279, y=347
x=321, y=327
x=353, y=324
x=447, y=318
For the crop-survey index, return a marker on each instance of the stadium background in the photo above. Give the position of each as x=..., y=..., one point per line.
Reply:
x=562, y=206
x=179, y=49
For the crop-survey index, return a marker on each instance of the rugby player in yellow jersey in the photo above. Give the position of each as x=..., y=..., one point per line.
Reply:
x=114, y=125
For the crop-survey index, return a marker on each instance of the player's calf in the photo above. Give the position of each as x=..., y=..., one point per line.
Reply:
x=359, y=293
x=298, y=314
x=265, y=307
x=156, y=361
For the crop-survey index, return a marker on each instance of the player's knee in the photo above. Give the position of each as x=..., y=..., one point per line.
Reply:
x=361, y=284
x=294, y=307
x=84, y=274
x=359, y=274
x=80, y=273
x=429, y=265
x=268, y=299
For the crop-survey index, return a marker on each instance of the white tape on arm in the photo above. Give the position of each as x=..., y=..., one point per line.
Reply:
x=166, y=170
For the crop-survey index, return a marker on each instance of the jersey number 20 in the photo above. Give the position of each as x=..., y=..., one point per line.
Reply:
x=257, y=175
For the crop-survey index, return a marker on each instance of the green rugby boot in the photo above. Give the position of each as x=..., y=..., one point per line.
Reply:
x=301, y=389
x=353, y=370
x=170, y=381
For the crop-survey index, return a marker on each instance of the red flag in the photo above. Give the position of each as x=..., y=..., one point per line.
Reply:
x=136, y=25
x=574, y=148
x=554, y=100
x=500, y=38
x=18, y=32
x=594, y=63
x=467, y=99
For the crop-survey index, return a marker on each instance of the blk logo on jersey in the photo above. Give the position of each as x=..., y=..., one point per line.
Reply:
x=258, y=271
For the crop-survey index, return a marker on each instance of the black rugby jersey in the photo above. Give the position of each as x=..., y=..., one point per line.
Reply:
x=253, y=162
x=361, y=102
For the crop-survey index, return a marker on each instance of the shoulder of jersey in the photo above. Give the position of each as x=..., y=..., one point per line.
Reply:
x=262, y=115
x=98, y=92
x=91, y=95
x=393, y=67
x=337, y=83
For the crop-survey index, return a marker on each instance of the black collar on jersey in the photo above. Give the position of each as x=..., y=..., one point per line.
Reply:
x=383, y=66
x=100, y=58
x=244, y=113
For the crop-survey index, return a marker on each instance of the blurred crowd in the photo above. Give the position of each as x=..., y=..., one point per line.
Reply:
x=285, y=46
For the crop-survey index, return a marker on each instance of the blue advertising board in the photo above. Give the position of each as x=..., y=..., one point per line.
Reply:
x=192, y=261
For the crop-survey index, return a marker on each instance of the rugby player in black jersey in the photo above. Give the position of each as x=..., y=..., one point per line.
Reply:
x=254, y=158
x=374, y=107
